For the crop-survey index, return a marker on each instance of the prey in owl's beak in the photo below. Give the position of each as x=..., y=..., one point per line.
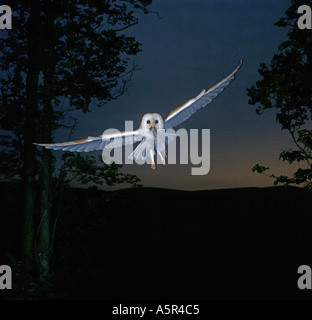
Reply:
x=153, y=129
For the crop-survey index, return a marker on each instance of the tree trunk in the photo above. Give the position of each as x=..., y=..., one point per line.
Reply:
x=29, y=138
x=46, y=172
x=44, y=240
x=43, y=254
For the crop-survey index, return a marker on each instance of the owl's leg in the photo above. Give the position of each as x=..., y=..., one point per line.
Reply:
x=162, y=158
x=152, y=159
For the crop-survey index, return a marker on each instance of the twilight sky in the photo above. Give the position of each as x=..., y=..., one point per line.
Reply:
x=190, y=46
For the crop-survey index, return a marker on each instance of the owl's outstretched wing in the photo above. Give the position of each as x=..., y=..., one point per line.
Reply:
x=104, y=141
x=182, y=113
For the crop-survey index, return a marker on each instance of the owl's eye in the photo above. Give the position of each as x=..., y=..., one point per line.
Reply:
x=148, y=122
x=156, y=121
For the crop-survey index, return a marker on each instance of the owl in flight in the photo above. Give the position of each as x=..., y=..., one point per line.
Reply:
x=151, y=132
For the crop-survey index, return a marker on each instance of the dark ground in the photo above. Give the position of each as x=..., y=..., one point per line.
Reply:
x=166, y=244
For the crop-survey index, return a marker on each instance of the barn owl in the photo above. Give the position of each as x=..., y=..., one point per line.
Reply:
x=151, y=131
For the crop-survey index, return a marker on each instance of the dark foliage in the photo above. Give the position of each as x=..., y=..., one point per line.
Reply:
x=59, y=56
x=286, y=86
x=239, y=243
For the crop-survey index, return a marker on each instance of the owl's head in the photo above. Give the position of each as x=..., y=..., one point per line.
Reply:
x=151, y=121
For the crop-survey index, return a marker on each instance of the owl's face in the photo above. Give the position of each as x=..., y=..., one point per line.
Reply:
x=152, y=121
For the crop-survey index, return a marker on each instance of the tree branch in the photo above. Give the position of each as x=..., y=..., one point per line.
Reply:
x=125, y=27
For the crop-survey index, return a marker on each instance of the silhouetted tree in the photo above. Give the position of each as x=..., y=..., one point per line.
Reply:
x=59, y=53
x=286, y=86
